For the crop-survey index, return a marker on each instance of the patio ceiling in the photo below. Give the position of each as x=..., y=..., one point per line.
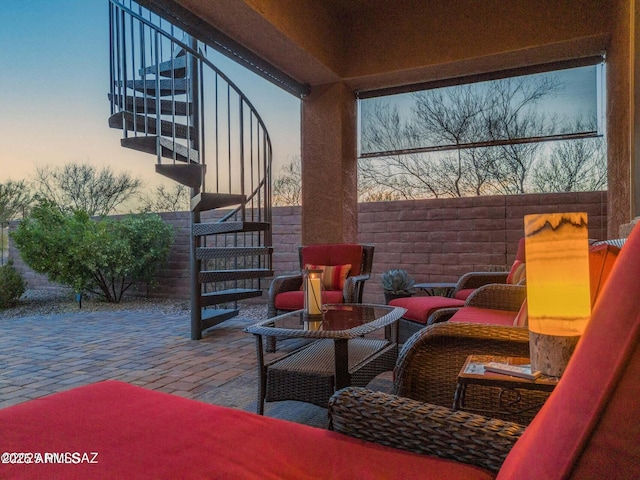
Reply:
x=374, y=44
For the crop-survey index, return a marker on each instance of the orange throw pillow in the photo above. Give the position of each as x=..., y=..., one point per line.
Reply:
x=517, y=272
x=333, y=276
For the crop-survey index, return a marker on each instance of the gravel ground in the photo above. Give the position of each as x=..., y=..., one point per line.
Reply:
x=48, y=302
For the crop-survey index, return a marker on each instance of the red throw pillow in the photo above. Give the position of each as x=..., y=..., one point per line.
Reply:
x=333, y=276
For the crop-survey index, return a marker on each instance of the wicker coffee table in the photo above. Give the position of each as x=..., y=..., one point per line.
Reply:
x=348, y=345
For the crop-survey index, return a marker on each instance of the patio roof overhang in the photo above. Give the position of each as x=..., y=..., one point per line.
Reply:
x=327, y=50
x=376, y=44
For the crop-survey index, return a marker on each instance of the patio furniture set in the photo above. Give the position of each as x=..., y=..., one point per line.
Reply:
x=587, y=428
x=475, y=317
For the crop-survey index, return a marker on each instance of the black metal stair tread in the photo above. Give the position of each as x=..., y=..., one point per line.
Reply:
x=213, y=316
x=167, y=107
x=177, y=65
x=201, y=229
x=230, y=295
x=207, y=253
x=240, y=270
x=233, y=291
x=148, y=144
x=213, y=276
x=210, y=201
x=187, y=174
x=147, y=125
x=168, y=87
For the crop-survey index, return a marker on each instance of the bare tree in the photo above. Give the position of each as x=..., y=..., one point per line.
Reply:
x=450, y=117
x=454, y=119
x=15, y=198
x=514, y=115
x=174, y=198
x=287, y=187
x=77, y=186
x=403, y=176
x=573, y=165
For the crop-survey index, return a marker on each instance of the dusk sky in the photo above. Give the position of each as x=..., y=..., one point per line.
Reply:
x=54, y=84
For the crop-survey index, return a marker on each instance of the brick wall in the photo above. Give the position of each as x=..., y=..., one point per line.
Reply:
x=434, y=240
x=439, y=240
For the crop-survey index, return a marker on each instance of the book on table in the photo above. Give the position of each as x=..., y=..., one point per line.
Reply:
x=521, y=371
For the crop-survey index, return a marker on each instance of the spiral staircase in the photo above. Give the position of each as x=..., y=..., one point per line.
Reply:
x=172, y=102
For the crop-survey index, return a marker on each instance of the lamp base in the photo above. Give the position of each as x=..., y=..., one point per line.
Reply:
x=549, y=353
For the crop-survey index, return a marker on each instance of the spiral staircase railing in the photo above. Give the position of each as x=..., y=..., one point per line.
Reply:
x=171, y=101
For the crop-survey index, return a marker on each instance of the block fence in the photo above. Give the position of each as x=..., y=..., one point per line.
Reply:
x=435, y=240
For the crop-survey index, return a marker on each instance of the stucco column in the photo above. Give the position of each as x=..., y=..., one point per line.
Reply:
x=621, y=160
x=329, y=165
x=635, y=102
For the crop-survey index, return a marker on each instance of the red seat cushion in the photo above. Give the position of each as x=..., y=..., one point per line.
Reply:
x=294, y=300
x=144, y=434
x=419, y=308
x=484, y=315
x=464, y=293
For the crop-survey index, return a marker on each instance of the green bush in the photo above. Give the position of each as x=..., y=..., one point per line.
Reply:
x=105, y=257
x=11, y=285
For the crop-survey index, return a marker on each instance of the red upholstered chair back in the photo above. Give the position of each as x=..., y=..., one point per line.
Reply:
x=334, y=254
x=517, y=271
x=590, y=425
x=602, y=257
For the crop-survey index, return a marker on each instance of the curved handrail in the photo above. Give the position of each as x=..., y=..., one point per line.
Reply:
x=120, y=33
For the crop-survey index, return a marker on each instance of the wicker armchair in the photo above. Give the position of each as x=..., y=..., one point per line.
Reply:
x=285, y=290
x=422, y=428
x=428, y=366
x=494, y=297
x=584, y=430
x=421, y=308
x=327, y=255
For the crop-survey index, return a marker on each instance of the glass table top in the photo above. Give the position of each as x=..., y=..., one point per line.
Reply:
x=336, y=321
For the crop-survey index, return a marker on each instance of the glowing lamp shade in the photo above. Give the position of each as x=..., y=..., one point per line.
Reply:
x=313, y=292
x=558, y=294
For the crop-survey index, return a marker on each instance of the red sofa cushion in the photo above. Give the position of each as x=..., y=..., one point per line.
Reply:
x=484, y=315
x=419, y=308
x=334, y=254
x=294, y=300
x=143, y=434
x=590, y=425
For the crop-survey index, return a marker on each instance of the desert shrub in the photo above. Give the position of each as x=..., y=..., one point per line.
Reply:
x=104, y=256
x=11, y=285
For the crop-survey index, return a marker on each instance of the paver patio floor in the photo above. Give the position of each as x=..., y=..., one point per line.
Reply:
x=41, y=355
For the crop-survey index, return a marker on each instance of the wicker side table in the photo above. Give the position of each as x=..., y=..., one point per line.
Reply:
x=475, y=384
